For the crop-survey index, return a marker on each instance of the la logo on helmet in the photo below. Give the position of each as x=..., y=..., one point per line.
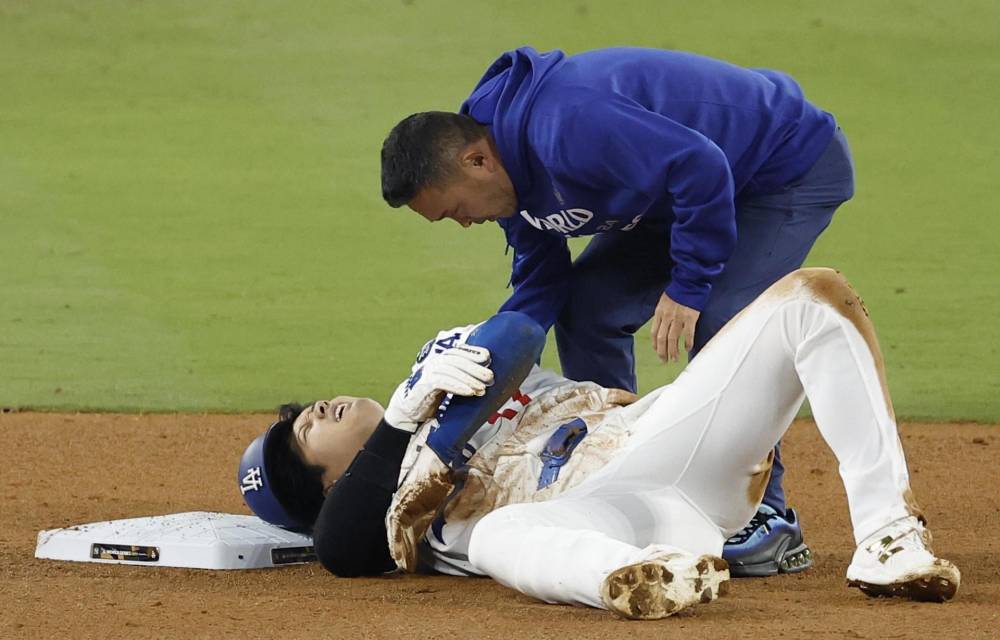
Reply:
x=252, y=481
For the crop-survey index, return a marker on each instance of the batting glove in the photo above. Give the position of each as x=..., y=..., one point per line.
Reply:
x=414, y=507
x=462, y=370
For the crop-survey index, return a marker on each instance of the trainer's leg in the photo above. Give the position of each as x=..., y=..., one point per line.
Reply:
x=775, y=234
x=616, y=283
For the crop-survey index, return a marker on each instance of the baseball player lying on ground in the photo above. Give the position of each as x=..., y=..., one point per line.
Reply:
x=573, y=493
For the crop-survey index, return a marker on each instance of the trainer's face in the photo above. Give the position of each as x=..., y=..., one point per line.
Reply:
x=329, y=433
x=480, y=192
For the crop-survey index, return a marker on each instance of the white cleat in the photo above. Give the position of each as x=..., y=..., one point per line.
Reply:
x=664, y=584
x=897, y=561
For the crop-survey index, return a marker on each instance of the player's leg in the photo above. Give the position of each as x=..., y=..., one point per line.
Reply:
x=641, y=554
x=698, y=464
x=776, y=233
x=565, y=549
x=809, y=333
x=616, y=282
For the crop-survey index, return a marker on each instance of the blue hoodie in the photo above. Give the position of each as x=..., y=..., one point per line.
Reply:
x=603, y=141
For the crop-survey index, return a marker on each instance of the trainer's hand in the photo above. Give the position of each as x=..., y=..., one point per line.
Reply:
x=671, y=321
x=462, y=370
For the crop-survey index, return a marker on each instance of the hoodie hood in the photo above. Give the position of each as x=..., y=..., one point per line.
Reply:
x=502, y=100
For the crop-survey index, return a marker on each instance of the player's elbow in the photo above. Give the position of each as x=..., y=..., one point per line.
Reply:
x=351, y=558
x=344, y=567
x=345, y=562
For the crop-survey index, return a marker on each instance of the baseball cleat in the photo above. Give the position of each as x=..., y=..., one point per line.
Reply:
x=664, y=584
x=769, y=544
x=897, y=561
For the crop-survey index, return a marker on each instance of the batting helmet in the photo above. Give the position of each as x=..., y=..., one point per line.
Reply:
x=255, y=484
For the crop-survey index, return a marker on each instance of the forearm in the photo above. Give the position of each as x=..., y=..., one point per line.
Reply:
x=701, y=242
x=350, y=535
x=541, y=304
x=515, y=343
x=540, y=272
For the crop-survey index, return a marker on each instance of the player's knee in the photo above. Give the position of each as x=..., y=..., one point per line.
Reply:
x=822, y=284
x=812, y=279
x=823, y=281
x=830, y=287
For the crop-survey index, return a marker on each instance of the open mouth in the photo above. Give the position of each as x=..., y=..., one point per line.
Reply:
x=340, y=410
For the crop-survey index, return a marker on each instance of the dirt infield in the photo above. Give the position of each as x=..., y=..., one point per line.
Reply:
x=70, y=469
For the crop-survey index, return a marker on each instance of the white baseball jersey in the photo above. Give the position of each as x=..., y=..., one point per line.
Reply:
x=508, y=458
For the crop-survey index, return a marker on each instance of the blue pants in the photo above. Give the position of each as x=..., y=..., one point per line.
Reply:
x=618, y=278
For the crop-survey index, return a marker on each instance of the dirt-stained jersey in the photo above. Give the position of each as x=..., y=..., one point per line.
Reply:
x=550, y=435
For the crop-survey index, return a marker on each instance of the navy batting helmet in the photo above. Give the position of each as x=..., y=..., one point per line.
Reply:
x=255, y=484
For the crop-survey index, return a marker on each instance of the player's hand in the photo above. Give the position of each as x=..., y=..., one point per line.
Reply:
x=672, y=321
x=462, y=370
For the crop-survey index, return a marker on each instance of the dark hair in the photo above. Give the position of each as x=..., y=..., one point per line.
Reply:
x=422, y=150
x=297, y=486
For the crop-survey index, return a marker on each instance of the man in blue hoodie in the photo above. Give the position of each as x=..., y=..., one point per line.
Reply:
x=702, y=183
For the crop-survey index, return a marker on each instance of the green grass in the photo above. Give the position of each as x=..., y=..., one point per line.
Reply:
x=190, y=213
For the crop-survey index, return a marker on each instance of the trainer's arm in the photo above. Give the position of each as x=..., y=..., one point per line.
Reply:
x=350, y=535
x=633, y=148
x=540, y=272
x=639, y=150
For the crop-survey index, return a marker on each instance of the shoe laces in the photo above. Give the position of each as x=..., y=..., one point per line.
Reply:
x=758, y=520
x=903, y=534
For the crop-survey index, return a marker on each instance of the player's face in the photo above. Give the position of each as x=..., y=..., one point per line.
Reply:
x=481, y=190
x=329, y=433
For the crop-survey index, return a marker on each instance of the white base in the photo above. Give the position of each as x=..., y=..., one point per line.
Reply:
x=196, y=540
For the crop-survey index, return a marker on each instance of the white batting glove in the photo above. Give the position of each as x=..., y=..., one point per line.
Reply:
x=462, y=370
